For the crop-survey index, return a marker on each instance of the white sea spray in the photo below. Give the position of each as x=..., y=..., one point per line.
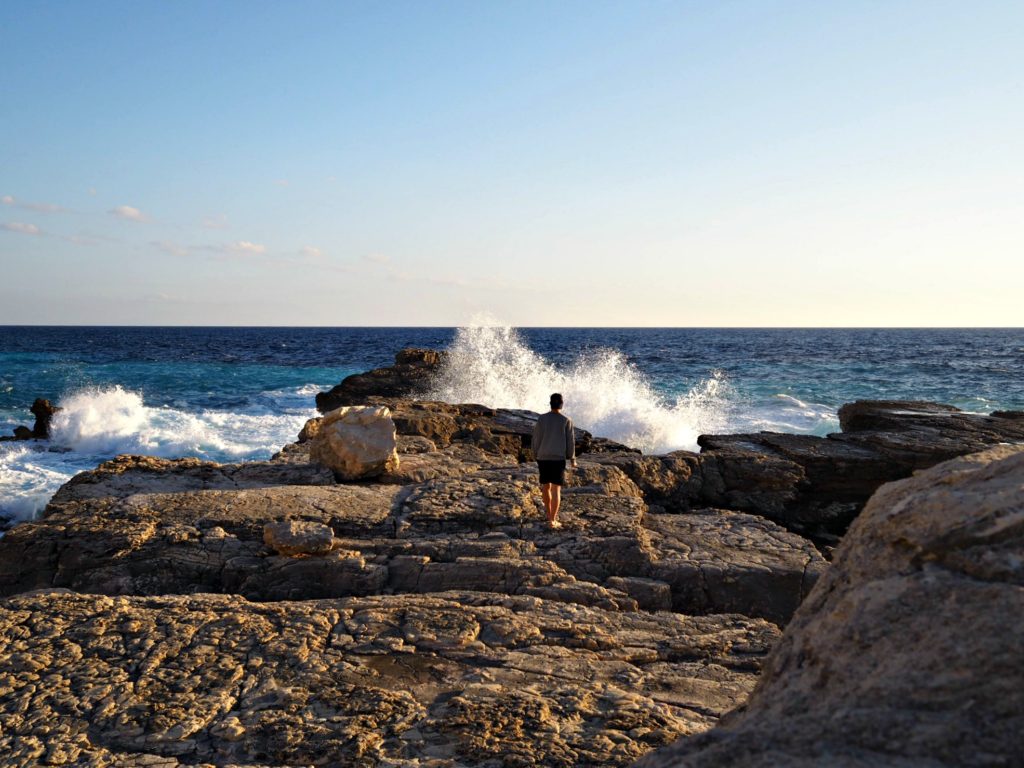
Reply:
x=98, y=423
x=604, y=393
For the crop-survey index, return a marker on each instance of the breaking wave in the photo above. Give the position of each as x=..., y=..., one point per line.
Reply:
x=96, y=424
x=604, y=393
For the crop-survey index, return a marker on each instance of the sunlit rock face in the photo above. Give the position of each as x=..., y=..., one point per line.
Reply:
x=356, y=442
x=908, y=650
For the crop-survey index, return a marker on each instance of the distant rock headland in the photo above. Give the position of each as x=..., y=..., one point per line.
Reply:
x=400, y=602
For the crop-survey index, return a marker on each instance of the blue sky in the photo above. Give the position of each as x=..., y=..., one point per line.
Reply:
x=567, y=163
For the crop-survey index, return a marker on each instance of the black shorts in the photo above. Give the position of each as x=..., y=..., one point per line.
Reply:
x=552, y=472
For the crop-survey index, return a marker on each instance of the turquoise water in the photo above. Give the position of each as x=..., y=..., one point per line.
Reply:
x=241, y=393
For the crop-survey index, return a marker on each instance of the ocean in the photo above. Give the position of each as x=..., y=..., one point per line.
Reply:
x=237, y=394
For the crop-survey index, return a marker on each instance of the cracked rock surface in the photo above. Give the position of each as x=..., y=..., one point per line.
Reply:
x=455, y=678
x=908, y=650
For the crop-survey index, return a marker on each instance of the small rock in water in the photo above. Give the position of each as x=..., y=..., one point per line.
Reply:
x=298, y=537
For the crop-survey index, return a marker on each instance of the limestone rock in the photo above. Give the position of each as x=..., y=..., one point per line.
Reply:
x=816, y=486
x=209, y=541
x=908, y=651
x=463, y=526
x=298, y=537
x=412, y=374
x=356, y=442
x=454, y=679
x=127, y=474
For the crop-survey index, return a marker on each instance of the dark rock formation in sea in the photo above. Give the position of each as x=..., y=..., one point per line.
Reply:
x=410, y=376
x=44, y=411
x=908, y=651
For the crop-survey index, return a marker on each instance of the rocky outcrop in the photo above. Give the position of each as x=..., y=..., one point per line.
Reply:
x=908, y=651
x=421, y=613
x=452, y=679
x=356, y=442
x=411, y=375
x=469, y=526
x=817, y=486
x=812, y=485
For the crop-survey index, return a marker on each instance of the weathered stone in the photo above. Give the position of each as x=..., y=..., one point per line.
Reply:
x=127, y=475
x=468, y=526
x=298, y=537
x=356, y=442
x=412, y=375
x=459, y=678
x=908, y=651
x=186, y=542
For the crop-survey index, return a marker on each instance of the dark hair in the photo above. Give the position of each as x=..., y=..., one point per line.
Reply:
x=556, y=400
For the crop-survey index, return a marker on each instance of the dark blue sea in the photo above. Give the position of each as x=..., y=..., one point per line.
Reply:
x=241, y=393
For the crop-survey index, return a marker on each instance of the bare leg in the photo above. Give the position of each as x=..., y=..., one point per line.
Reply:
x=545, y=492
x=556, y=501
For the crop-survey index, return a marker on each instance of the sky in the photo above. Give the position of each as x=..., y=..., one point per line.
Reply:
x=538, y=163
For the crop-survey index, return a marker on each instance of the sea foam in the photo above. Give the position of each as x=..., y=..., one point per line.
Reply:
x=604, y=393
x=96, y=424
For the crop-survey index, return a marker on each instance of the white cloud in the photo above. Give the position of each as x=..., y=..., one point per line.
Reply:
x=21, y=228
x=312, y=252
x=377, y=258
x=128, y=213
x=37, y=207
x=246, y=248
x=92, y=191
x=281, y=182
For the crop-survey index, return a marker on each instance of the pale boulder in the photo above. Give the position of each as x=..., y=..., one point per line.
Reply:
x=357, y=441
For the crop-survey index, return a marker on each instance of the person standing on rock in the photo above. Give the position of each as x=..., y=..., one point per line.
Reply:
x=554, y=443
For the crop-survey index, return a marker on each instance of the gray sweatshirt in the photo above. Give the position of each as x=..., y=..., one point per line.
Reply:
x=554, y=438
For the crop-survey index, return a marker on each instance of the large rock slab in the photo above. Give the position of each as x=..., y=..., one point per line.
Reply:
x=127, y=474
x=908, y=651
x=454, y=679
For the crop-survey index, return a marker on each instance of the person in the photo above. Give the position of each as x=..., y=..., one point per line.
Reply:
x=554, y=443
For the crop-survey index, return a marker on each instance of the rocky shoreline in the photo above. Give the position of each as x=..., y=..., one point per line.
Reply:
x=181, y=612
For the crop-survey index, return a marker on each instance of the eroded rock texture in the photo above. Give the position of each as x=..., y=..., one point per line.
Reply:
x=468, y=527
x=454, y=679
x=908, y=651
